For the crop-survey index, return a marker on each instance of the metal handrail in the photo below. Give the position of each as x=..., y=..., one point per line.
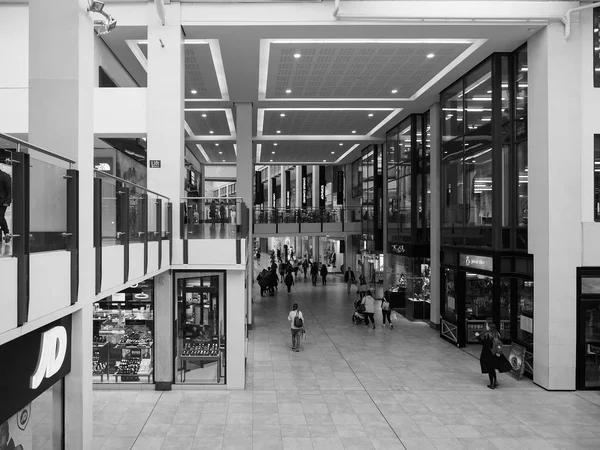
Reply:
x=104, y=174
x=34, y=147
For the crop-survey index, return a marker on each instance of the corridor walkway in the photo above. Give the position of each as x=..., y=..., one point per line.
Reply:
x=351, y=387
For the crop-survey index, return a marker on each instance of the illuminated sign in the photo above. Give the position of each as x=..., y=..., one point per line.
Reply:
x=396, y=248
x=477, y=262
x=322, y=192
x=304, y=192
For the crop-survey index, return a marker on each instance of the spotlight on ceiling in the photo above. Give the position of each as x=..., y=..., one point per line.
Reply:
x=430, y=55
x=370, y=114
x=96, y=6
x=394, y=91
x=297, y=55
x=282, y=115
x=288, y=91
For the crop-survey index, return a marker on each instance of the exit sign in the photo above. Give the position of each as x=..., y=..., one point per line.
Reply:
x=155, y=163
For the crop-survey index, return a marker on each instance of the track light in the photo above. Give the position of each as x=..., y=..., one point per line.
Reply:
x=108, y=24
x=95, y=6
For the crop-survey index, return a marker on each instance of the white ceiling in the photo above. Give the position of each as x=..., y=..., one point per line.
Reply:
x=343, y=74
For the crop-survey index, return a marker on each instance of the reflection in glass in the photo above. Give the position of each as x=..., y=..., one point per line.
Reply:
x=525, y=313
x=109, y=213
x=452, y=112
x=404, y=178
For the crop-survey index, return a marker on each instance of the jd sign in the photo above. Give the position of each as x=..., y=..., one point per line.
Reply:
x=52, y=355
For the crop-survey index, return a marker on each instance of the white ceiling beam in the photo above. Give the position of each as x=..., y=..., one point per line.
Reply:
x=320, y=138
x=210, y=138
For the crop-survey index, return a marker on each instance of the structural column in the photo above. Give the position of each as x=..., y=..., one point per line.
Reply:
x=298, y=199
x=269, y=194
x=435, y=214
x=166, y=144
x=315, y=187
x=61, y=88
x=554, y=211
x=245, y=170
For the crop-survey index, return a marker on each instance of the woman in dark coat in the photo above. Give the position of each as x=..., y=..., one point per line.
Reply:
x=491, y=359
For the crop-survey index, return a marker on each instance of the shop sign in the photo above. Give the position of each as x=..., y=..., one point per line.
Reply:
x=155, y=163
x=397, y=248
x=477, y=262
x=33, y=363
x=304, y=171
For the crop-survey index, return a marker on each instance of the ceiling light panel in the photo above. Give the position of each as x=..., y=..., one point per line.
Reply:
x=224, y=151
x=200, y=74
x=354, y=69
x=215, y=120
x=319, y=122
x=301, y=152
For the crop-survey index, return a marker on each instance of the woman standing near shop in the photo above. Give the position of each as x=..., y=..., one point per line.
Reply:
x=492, y=358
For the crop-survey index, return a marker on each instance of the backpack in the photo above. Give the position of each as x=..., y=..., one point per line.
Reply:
x=497, y=347
x=298, y=322
x=385, y=305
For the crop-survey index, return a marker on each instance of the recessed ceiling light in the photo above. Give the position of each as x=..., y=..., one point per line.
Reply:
x=341, y=143
x=353, y=131
x=275, y=144
x=217, y=144
x=220, y=153
x=278, y=131
x=324, y=160
x=288, y=91
x=203, y=115
x=223, y=160
x=270, y=160
x=394, y=91
x=333, y=153
x=272, y=153
x=297, y=55
x=194, y=91
x=430, y=55
x=282, y=114
x=370, y=114
x=211, y=132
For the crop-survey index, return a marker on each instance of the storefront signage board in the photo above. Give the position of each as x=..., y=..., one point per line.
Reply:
x=304, y=185
x=154, y=163
x=517, y=360
x=477, y=262
x=33, y=363
x=322, y=184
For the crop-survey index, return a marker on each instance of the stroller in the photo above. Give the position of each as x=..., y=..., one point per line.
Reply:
x=358, y=317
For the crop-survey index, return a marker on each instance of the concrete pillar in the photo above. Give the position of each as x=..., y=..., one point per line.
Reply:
x=163, y=331
x=435, y=211
x=61, y=82
x=165, y=110
x=298, y=199
x=284, y=176
x=554, y=212
x=269, y=192
x=245, y=170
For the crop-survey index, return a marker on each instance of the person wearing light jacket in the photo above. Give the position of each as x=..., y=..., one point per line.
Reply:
x=369, y=303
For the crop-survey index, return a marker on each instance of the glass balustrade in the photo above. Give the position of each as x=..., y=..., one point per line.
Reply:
x=213, y=218
x=306, y=215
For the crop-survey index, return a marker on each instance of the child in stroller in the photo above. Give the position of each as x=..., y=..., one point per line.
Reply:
x=358, y=316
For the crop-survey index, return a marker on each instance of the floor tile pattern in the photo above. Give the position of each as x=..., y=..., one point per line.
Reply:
x=351, y=387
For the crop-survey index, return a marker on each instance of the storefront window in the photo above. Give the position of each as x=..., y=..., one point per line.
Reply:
x=427, y=172
x=123, y=336
x=479, y=299
x=452, y=112
x=525, y=313
x=404, y=176
x=505, y=302
x=520, y=121
x=37, y=426
x=392, y=185
x=200, y=328
x=449, y=312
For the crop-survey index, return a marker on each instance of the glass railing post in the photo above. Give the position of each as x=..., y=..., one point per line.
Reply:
x=72, y=234
x=143, y=233
x=21, y=244
x=183, y=219
x=98, y=231
x=159, y=230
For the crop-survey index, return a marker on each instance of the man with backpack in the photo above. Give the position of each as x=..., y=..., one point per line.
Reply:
x=349, y=278
x=314, y=272
x=386, y=310
x=295, y=316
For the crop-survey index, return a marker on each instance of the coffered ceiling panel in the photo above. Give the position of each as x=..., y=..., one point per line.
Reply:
x=219, y=152
x=208, y=122
x=200, y=76
x=355, y=69
x=322, y=121
x=302, y=152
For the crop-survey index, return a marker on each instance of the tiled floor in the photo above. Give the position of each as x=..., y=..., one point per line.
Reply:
x=351, y=387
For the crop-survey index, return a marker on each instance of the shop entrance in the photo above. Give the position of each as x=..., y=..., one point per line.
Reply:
x=588, y=328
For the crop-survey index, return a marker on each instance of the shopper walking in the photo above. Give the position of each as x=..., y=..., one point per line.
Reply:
x=362, y=285
x=492, y=358
x=296, y=269
x=289, y=281
x=314, y=271
x=369, y=303
x=5, y=200
x=295, y=316
x=263, y=281
x=386, y=310
x=282, y=267
x=349, y=278
x=324, y=273
x=305, y=267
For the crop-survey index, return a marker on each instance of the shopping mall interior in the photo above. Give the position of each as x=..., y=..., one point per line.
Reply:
x=176, y=175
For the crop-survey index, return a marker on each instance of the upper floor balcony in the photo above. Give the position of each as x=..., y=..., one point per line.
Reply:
x=271, y=221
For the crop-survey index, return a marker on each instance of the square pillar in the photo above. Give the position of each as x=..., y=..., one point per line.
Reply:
x=554, y=210
x=435, y=211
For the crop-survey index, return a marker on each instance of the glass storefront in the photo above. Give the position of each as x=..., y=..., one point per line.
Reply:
x=409, y=281
x=588, y=328
x=200, y=328
x=123, y=336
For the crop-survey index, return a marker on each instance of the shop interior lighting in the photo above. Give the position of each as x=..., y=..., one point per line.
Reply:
x=216, y=144
x=203, y=115
x=275, y=144
x=394, y=91
x=220, y=153
x=370, y=114
x=141, y=296
x=353, y=131
x=211, y=132
x=333, y=153
x=272, y=153
x=278, y=131
x=341, y=143
x=282, y=115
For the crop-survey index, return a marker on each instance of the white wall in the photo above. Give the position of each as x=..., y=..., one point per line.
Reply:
x=236, y=339
x=120, y=111
x=220, y=172
x=14, y=46
x=113, y=67
x=50, y=286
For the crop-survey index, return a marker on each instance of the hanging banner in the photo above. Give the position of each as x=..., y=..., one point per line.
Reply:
x=340, y=187
x=273, y=192
x=322, y=184
x=304, y=186
x=288, y=189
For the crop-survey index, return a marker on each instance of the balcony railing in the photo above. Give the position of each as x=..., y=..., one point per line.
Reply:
x=38, y=217
x=132, y=230
x=214, y=218
x=325, y=218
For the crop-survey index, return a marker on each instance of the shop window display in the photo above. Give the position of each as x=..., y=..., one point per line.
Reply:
x=478, y=303
x=38, y=426
x=123, y=336
x=409, y=278
x=525, y=313
x=200, y=337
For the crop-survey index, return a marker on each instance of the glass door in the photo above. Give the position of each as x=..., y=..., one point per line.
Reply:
x=588, y=328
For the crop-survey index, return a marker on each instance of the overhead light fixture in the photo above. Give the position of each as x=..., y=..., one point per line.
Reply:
x=141, y=296
x=211, y=132
x=370, y=114
x=333, y=153
x=324, y=160
x=96, y=6
x=272, y=153
x=341, y=143
x=394, y=91
x=278, y=131
x=430, y=55
x=220, y=153
x=223, y=160
x=216, y=144
x=297, y=55
x=203, y=115
x=275, y=144
x=270, y=160
x=288, y=91
x=282, y=115
x=194, y=91
x=353, y=131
